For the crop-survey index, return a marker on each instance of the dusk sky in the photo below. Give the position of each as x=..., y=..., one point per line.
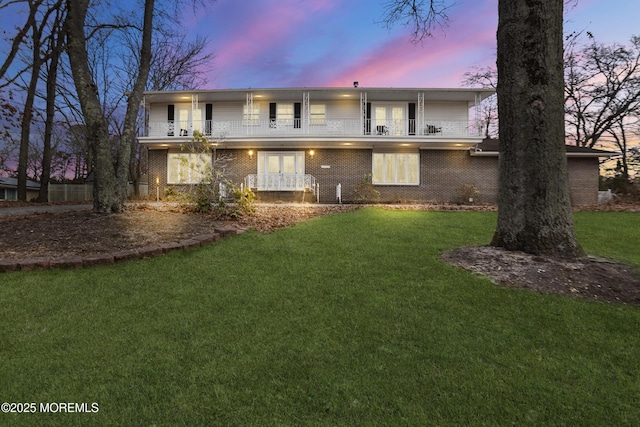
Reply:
x=311, y=43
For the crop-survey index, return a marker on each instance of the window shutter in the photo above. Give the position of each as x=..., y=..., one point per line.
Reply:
x=272, y=115
x=171, y=116
x=297, y=115
x=412, y=118
x=208, y=117
x=367, y=125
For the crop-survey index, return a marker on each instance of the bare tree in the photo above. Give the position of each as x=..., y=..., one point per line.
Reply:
x=602, y=86
x=602, y=93
x=18, y=39
x=422, y=16
x=175, y=65
x=485, y=77
x=38, y=32
x=178, y=64
x=111, y=175
x=56, y=41
x=534, y=211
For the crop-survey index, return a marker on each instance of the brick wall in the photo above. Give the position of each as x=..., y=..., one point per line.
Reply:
x=583, y=180
x=157, y=170
x=345, y=166
x=442, y=175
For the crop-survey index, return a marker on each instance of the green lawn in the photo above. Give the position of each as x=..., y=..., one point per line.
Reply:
x=348, y=319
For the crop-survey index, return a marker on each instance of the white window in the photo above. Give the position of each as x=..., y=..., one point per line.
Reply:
x=396, y=168
x=188, y=168
x=284, y=114
x=318, y=113
x=253, y=117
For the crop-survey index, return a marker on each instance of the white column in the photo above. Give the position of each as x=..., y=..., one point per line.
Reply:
x=249, y=111
x=363, y=111
x=306, y=112
x=420, y=114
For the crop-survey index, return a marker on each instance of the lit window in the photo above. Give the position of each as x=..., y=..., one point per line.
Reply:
x=253, y=117
x=396, y=168
x=188, y=168
x=318, y=113
x=284, y=114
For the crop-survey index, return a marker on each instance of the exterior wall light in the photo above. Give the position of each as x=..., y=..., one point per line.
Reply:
x=251, y=154
x=312, y=153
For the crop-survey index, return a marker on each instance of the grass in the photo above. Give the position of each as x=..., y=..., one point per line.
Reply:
x=348, y=319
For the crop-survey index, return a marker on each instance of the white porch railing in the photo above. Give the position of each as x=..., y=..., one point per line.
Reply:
x=329, y=127
x=280, y=182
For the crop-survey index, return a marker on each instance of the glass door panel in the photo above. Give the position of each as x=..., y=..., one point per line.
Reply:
x=381, y=120
x=288, y=164
x=397, y=120
x=273, y=163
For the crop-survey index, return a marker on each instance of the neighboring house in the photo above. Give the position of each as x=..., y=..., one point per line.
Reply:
x=9, y=189
x=415, y=144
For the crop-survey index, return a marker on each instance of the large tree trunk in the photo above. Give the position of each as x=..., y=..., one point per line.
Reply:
x=534, y=206
x=104, y=186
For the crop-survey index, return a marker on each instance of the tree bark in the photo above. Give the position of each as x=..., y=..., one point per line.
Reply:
x=56, y=44
x=133, y=106
x=534, y=207
x=104, y=186
x=27, y=115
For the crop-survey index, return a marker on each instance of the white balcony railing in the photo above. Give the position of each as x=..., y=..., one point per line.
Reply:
x=280, y=182
x=329, y=127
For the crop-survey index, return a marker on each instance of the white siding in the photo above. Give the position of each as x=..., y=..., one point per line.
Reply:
x=457, y=111
x=228, y=111
x=342, y=109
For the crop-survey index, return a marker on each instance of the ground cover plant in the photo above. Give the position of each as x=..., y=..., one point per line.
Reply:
x=348, y=319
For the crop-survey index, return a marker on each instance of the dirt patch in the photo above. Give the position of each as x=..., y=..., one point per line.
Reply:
x=84, y=233
x=587, y=277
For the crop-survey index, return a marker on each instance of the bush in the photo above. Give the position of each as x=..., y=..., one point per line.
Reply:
x=365, y=192
x=624, y=189
x=244, y=198
x=468, y=194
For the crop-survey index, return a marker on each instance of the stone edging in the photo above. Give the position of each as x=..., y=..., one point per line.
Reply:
x=43, y=263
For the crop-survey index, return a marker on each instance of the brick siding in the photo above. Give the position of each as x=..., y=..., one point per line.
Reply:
x=442, y=175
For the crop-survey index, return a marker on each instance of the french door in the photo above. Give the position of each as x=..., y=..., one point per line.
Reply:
x=280, y=171
x=389, y=119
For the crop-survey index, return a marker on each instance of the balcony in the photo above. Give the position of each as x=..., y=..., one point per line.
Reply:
x=327, y=128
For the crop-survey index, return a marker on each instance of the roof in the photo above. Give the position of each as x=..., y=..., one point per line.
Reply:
x=469, y=95
x=8, y=182
x=490, y=147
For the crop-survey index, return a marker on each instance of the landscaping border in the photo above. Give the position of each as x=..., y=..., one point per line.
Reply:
x=44, y=263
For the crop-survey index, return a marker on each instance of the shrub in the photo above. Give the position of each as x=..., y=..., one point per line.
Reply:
x=468, y=194
x=365, y=192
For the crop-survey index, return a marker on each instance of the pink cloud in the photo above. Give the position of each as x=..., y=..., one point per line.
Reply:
x=263, y=36
x=442, y=59
x=319, y=43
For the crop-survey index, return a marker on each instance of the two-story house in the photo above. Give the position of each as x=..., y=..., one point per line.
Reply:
x=414, y=144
